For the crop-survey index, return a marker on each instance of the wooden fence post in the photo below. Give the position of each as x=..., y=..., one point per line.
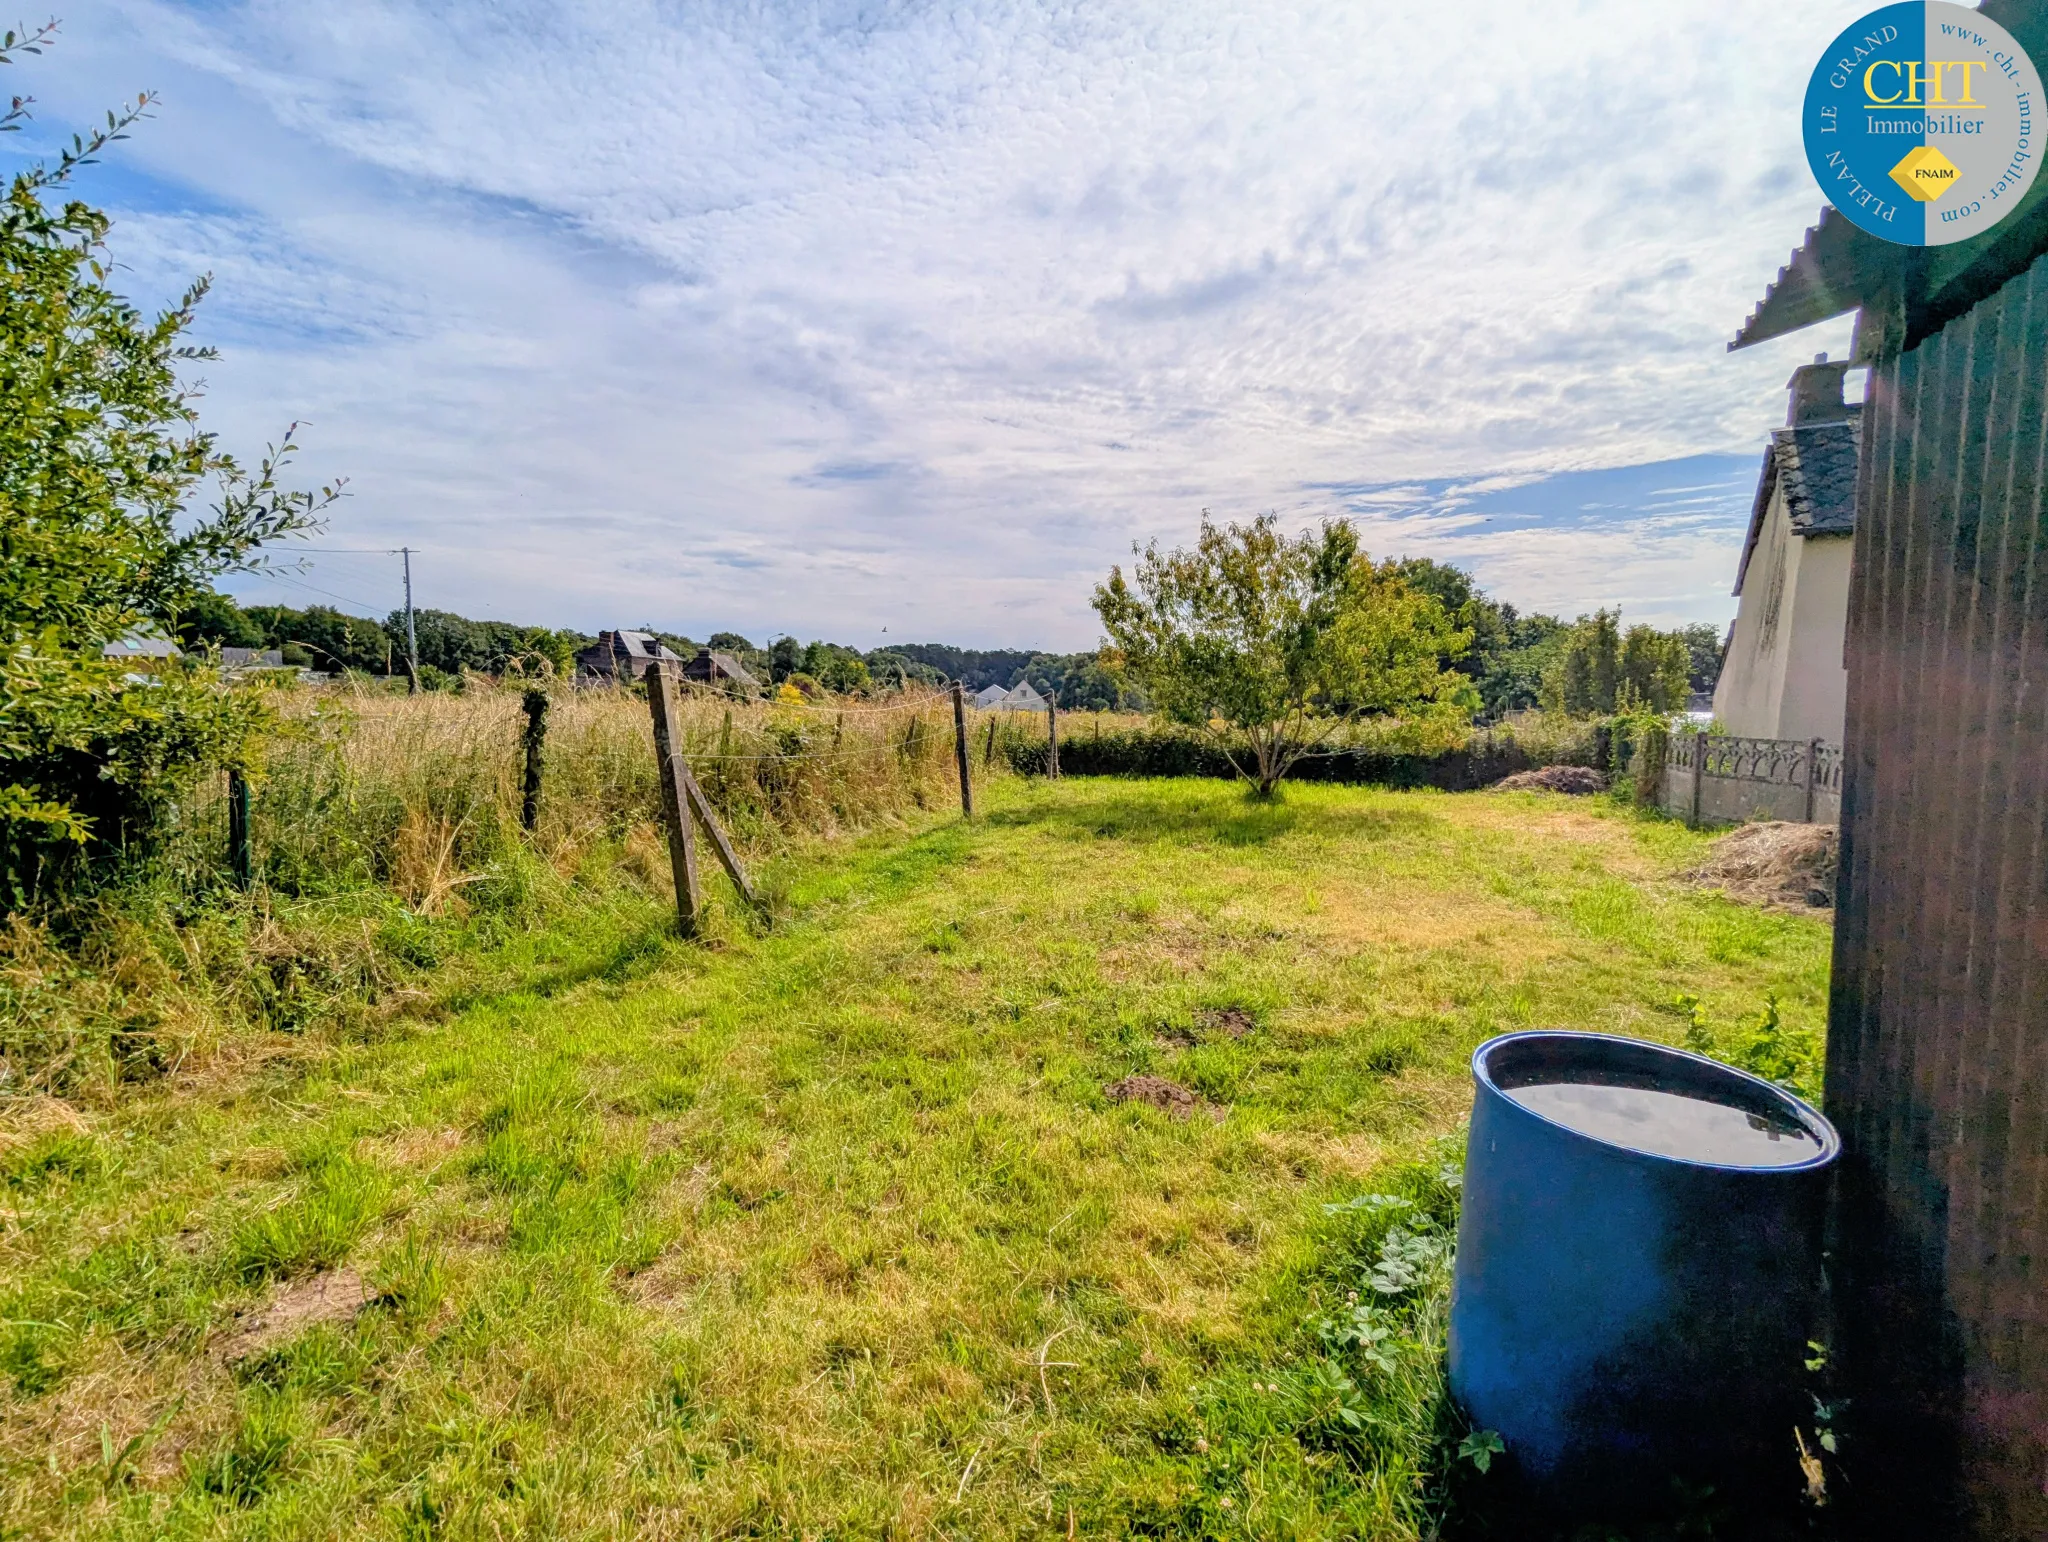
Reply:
x=240, y=861
x=1052, y=739
x=960, y=749
x=1812, y=773
x=1699, y=772
x=675, y=803
x=536, y=704
x=727, y=857
x=988, y=754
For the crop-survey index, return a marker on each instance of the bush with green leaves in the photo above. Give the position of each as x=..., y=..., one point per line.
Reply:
x=102, y=461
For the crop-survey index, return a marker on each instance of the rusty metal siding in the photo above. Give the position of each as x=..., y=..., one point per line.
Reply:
x=1938, y=1024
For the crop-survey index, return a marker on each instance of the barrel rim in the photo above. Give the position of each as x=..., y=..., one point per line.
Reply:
x=1809, y=1118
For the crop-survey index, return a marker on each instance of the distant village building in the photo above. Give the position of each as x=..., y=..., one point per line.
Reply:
x=144, y=651
x=719, y=669
x=622, y=655
x=236, y=660
x=1784, y=675
x=1021, y=697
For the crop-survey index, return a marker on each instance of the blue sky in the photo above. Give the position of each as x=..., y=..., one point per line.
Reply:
x=841, y=317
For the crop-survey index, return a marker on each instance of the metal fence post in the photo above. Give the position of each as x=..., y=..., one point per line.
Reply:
x=1699, y=772
x=960, y=749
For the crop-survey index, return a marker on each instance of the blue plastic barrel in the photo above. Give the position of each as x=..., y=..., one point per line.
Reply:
x=1638, y=1270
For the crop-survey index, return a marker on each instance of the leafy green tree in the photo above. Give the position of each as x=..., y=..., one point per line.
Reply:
x=1602, y=670
x=785, y=658
x=213, y=618
x=101, y=460
x=1655, y=669
x=1703, y=653
x=1590, y=667
x=339, y=641
x=1268, y=642
x=847, y=673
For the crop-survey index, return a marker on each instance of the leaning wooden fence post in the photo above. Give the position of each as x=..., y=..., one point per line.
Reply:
x=988, y=753
x=1052, y=739
x=1699, y=772
x=960, y=749
x=727, y=857
x=536, y=705
x=240, y=862
x=675, y=803
x=1812, y=774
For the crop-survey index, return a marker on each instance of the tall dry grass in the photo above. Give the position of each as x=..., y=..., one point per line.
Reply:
x=388, y=845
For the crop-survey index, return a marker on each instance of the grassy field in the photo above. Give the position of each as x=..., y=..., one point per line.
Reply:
x=835, y=1231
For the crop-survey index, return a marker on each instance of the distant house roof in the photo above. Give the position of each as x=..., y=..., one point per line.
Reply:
x=142, y=645
x=1812, y=458
x=989, y=695
x=710, y=668
x=619, y=650
x=1022, y=697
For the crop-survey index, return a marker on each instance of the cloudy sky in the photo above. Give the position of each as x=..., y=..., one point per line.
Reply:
x=832, y=318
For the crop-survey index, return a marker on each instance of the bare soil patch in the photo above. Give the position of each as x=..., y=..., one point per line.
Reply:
x=1181, y=1102
x=1576, y=780
x=1774, y=863
x=334, y=1296
x=1233, y=1022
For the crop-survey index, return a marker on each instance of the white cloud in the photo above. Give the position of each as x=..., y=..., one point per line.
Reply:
x=833, y=318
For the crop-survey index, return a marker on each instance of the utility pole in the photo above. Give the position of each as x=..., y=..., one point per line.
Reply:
x=412, y=641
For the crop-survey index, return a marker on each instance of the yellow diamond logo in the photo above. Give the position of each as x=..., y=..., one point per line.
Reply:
x=1925, y=173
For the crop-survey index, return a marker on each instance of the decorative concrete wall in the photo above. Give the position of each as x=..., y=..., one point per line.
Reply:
x=1723, y=779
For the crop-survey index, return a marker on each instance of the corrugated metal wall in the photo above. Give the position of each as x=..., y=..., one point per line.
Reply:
x=1938, y=1037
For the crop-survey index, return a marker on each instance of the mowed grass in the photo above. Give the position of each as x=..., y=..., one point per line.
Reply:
x=833, y=1231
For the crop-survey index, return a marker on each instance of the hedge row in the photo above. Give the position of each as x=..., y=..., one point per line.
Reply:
x=1484, y=758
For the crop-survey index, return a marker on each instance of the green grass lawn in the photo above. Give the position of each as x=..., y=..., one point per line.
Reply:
x=834, y=1231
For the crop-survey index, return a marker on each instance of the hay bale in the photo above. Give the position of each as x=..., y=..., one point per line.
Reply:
x=1773, y=863
x=1576, y=780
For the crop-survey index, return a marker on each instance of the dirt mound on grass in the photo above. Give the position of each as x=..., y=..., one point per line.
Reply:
x=334, y=1297
x=1774, y=862
x=1235, y=1022
x=1177, y=1100
x=1577, y=780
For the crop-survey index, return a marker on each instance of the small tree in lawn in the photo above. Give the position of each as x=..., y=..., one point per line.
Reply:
x=1268, y=643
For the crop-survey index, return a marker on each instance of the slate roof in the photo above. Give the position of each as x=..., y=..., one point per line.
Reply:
x=710, y=667
x=141, y=645
x=1816, y=464
x=632, y=650
x=989, y=695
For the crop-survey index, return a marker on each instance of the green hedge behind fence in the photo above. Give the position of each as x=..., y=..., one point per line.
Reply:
x=1484, y=758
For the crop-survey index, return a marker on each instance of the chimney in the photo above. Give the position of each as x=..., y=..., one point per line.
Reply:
x=1817, y=393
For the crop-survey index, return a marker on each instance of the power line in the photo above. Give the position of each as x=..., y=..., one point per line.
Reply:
x=346, y=599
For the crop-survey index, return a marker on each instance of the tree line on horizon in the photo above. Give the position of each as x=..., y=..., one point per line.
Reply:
x=1515, y=661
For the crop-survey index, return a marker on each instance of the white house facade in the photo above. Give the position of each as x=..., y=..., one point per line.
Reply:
x=1783, y=675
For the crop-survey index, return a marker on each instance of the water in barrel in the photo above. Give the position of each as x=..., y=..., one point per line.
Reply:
x=1669, y=1124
